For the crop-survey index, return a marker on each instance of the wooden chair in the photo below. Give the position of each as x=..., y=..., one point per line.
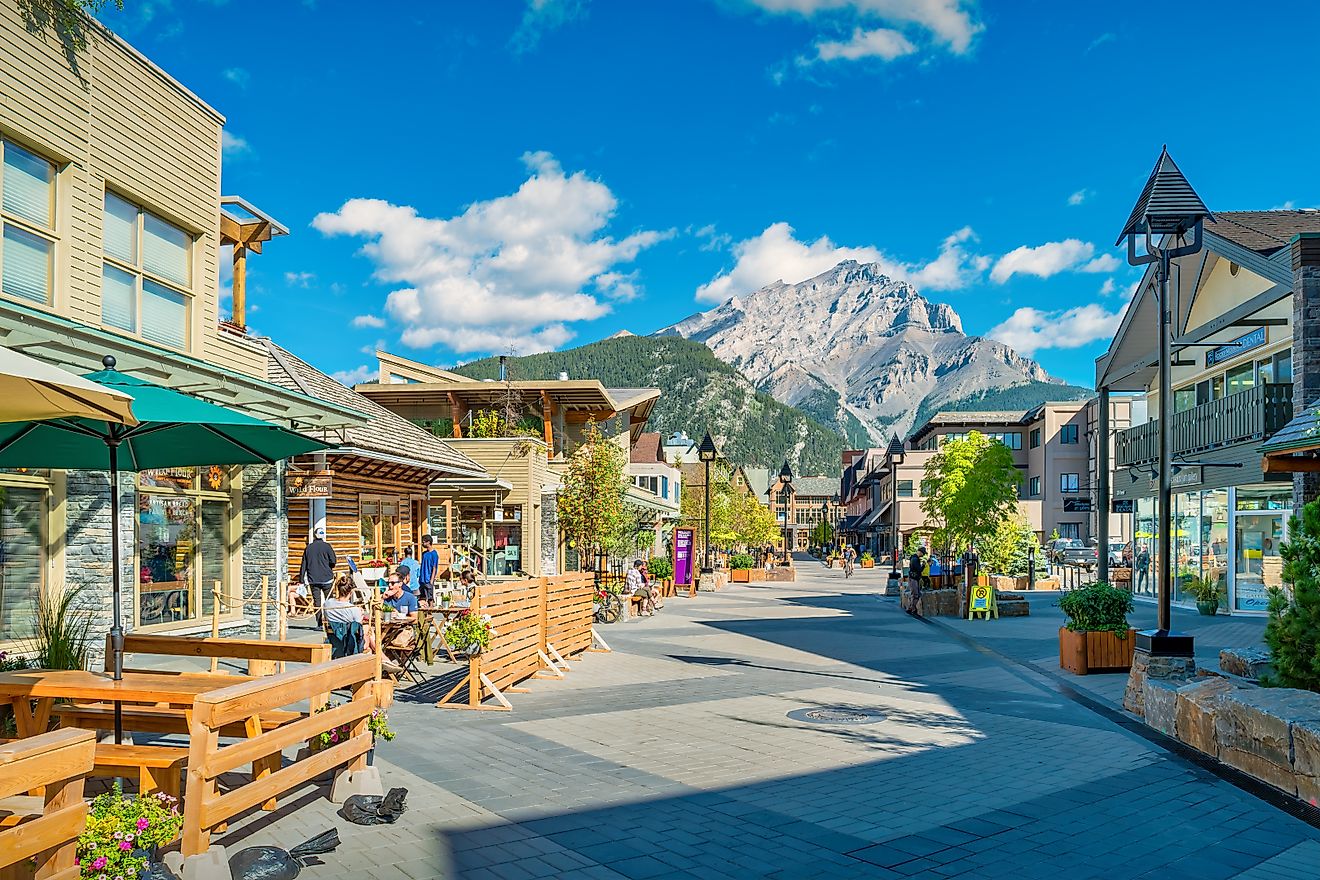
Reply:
x=44, y=829
x=404, y=655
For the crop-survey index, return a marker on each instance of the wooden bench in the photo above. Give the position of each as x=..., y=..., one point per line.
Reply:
x=58, y=761
x=634, y=605
x=157, y=719
x=156, y=768
x=262, y=656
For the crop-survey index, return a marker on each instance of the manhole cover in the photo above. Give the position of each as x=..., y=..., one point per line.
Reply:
x=836, y=715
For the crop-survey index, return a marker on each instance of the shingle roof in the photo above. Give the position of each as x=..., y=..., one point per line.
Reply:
x=826, y=486
x=385, y=433
x=1166, y=204
x=647, y=450
x=758, y=480
x=1263, y=231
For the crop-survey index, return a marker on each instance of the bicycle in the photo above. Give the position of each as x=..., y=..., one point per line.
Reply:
x=847, y=568
x=608, y=607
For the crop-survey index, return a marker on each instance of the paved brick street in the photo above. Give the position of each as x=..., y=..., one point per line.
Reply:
x=676, y=756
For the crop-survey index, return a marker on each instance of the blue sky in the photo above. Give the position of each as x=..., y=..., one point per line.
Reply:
x=459, y=178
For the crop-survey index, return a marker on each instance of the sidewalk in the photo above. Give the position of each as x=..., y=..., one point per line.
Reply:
x=1034, y=640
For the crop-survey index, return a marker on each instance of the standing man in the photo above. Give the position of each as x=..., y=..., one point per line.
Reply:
x=414, y=568
x=318, y=570
x=916, y=567
x=1143, y=567
x=427, y=569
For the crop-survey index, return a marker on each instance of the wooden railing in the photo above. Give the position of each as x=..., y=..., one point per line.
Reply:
x=60, y=761
x=261, y=655
x=205, y=807
x=537, y=623
x=1254, y=414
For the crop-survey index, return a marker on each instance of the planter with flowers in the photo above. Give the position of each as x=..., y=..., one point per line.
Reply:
x=868, y=561
x=468, y=634
x=372, y=569
x=378, y=724
x=124, y=833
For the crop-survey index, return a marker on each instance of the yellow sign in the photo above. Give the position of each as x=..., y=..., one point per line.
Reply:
x=982, y=601
x=981, y=598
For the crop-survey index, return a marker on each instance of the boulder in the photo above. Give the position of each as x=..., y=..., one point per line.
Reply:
x=1198, y=707
x=1306, y=760
x=1249, y=663
x=1161, y=702
x=1014, y=608
x=939, y=603
x=1144, y=667
x=1254, y=728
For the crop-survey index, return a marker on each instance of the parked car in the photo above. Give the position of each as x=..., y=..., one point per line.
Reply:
x=1116, y=554
x=1072, y=551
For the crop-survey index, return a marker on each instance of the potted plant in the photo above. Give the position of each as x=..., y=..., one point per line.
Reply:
x=378, y=723
x=1206, y=593
x=868, y=561
x=123, y=833
x=662, y=570
x=1097, y=637
x=445, y=599
x=372, y=569
x=741, y=564
x=468, y=634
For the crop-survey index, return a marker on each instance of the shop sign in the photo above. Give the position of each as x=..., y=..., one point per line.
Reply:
x=1245, y=342
x=683, y=540
x=1077, y=505
x=1123, y=505
x=1188, y=476
x=499, y=514
x=309, y=484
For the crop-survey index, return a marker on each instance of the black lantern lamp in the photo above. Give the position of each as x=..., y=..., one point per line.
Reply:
x=785, y=499
x=707, y=453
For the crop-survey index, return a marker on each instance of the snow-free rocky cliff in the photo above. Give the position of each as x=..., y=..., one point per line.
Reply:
x=853, y=341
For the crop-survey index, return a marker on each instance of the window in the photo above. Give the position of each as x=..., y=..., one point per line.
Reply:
x=927, y=487
x=1033, y=489
x=145, y=281
x=1265, y=371
x=27, y=225
x=1240, y=378
x=1068, y=482
x=904, y=488
x=1070, y=530
x=1203, y=392
x=24, y=529
x=1035, y=437
x=1011, y=439
x=664, y=487
x=182, y=543
x=1283, y=367
x=1068, y=434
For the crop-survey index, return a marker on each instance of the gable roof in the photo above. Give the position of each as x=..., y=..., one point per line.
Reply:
x=1265, y=232
x=826, y=486
x=385, y=433
x=647, y=450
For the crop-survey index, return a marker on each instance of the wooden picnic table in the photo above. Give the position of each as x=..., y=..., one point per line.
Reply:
x=33, y=692
x=429, y=624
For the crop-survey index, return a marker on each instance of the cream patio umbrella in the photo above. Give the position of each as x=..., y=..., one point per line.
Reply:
x=33, y=390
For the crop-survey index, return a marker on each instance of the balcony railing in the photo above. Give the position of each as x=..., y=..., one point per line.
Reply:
x=1254, y=414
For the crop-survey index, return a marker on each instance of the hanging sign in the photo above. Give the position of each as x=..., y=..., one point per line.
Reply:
x=499, y=514
x=1077, y=505
x=683, y=541
x=1123, y=505
x=306, y=485
x=1245, y=342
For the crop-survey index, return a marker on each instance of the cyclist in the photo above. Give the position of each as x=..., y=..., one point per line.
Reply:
x=849, y=554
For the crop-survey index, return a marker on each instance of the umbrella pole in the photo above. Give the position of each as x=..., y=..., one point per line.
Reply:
x=117, y=627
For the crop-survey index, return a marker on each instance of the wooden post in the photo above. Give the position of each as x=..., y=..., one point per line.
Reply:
x=375, y=622
x=238, y=286
x=215, y=621
x=265, y=594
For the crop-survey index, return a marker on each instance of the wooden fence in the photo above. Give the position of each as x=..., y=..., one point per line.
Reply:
x=537, y=623
x=205, y=807
x=60, y=761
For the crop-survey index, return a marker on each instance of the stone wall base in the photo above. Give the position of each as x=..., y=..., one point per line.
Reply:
x=1144, y=666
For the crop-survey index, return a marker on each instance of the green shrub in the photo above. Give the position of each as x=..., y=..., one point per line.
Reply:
x=660, y=567
x=62, y=637
x=1097, y=607
x=1293, y=630
x=867, y=557
x=742, y=560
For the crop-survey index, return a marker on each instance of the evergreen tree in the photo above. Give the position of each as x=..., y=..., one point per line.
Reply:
x=1293, y=630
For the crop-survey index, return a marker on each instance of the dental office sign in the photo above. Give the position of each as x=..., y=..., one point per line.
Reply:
x=1246, y=342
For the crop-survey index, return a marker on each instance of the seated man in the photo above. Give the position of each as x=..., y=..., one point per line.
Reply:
x=636, y=584
x=401, y=602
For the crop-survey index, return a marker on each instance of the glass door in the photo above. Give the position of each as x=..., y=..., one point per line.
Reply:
x=1258, y=530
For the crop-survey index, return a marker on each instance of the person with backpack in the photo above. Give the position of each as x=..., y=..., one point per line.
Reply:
x=917, y=568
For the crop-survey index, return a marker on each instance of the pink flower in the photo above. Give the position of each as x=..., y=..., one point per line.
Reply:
x=143, y=824
x=99, y=863
x=125, y=846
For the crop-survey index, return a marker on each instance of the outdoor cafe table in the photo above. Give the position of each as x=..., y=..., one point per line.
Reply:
x=32, y=692
x=432, y=620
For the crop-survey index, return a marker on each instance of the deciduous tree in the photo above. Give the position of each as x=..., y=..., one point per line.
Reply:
x=591, y=500
x=970, y=487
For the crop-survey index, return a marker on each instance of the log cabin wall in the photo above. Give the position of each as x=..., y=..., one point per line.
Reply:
x=357, y=479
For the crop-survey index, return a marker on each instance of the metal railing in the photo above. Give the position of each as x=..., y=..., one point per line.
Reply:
x=1253, y=414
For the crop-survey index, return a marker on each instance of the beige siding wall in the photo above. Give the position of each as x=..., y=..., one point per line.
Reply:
x=528, y=473
x=118, y=122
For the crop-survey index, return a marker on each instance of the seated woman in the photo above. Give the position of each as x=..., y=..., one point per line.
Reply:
x=345, y=623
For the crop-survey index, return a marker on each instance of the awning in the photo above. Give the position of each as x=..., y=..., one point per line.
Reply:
x=849, y=523
x=870, y=520
x=1295, y=447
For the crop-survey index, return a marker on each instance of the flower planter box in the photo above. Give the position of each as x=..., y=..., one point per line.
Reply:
x=1082, y=653
x=741, y=575
x=868, y=563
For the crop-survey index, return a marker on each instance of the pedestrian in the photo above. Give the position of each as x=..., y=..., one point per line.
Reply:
x=635, y=581
x=916, y=566
x=404, y=573
x=1143, y=567
x=427, y=569
x=318, y=570
x=414, y=567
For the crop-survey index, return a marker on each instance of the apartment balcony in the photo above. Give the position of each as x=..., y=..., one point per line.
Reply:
x=1251, y=415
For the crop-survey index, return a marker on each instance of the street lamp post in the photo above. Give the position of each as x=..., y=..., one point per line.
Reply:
x=895, y=453
x=1170, y=208
x=785, y=498
x=706, y=452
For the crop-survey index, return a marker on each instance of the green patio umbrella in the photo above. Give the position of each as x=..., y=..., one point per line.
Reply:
x=173, y=430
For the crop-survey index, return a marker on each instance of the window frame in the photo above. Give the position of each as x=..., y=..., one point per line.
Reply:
x=1069, y=435
x=1035, y=438
x=141, y=274
x=45, y=483
x=1070, y=485
x=23, y=224
x=1033, y=487
x=910, y=489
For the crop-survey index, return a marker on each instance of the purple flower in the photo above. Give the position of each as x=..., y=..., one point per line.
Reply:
x=99, y=863
x=143, y=824
x=125, y=846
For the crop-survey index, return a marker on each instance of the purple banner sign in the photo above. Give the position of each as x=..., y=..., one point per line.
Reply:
x=683, y=539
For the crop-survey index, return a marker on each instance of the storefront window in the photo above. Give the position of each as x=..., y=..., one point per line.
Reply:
x=23, y=526
x=1143, y=578
x=1241, y=378
x=183, y=546
x=1258, y=524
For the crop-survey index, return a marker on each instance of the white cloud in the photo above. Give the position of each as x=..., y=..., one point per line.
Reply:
x=883, y=43
x=1029, y=330
x=1108, y=287
x=368, y=321
x=712, y=238
x=513, y=270
x=1079, y=197
x=1052, y=258
x=947, y=23
x=299, y=279
x=238, y=76
x=231, y=145
x=541, y=16
x=355, y=376
x=777, y=255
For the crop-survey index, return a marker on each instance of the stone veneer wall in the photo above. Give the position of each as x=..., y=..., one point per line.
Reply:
x=549, y=534
x=265, y=543
x=1305, y=347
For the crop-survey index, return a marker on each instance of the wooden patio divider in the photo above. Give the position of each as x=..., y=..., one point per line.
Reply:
x=204, y=808
x=537, y=623
x=60, y=761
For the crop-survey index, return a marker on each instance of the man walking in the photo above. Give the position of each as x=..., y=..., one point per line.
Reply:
x=318, y=570
x=916, y=568
x=427, y=568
